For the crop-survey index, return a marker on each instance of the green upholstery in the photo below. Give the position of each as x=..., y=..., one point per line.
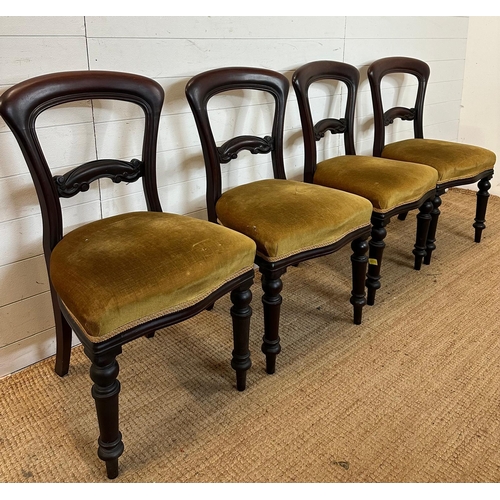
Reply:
x=287, y=217
x=118, y=272
x=452, y=160
x=386, y=183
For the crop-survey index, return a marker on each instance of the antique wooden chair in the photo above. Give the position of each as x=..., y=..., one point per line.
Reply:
x=119, y=278
x=393, y=187
x=457, y=164
x=290, y=221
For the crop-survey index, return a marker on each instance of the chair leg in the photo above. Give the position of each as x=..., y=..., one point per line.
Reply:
x=63, y=337
x=272, y=286
x=482, y=203
x=431, y=236
x=423, y=223
x=105, y=390
x=241, y=313
x=402, y=215
x=377, y=246
x=359, y=263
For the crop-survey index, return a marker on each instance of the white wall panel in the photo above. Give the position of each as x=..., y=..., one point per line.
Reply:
x=216, y=27
x=411, y=27
x=25, y=57
x=159, y=58
x=361, y=53
x=42, y=25
x=23, y=279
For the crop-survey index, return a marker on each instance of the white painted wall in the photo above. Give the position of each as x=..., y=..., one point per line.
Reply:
x=171, y=50
x=480, y=112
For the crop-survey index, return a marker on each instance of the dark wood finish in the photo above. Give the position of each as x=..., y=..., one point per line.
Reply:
x=20, y=106
x=199, y=90
x=312, y=132
x=382, y=118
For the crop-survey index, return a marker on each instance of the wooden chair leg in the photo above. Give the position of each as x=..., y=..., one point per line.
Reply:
x=241, y=313
x=377, y=246
x=423, y=223
x=105, y=390
x=359, y=263
x=272, y=286
x=63, y=338
x=431, y=236
x=402, y=215
x=482, y=203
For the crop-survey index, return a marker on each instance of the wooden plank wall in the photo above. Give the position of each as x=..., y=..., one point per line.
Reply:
x=171, y=50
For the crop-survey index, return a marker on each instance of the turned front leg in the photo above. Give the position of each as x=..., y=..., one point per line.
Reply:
x=241, y=313
x=481, y=205
x=376, y=245
x=105, y=391
x=431, y=235
x=272, y=286
x=359, y=263
x=423, y=223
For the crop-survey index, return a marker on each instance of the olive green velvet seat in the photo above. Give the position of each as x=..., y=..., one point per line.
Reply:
x=122, y=271
x=456, y=164
x=297, y=224
x=392, y=187
x=388, y=184
x=124, y=277
x=453, y=161
x=290, y=221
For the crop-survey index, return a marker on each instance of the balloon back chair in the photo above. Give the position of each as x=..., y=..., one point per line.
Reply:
x=290, y=221
x=393, y=187
x=126, y=276
x=457, y=164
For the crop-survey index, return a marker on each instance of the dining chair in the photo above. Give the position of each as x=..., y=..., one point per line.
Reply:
x=290, y=221
x=393, y=187
x=125, y=276
x=457, y=164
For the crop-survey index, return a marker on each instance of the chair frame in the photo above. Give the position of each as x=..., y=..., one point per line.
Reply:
x=20, y=106
x=199, y=90
x=302, y=79
x=421, y=71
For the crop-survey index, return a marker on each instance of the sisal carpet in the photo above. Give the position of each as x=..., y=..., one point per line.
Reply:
x=411, y=395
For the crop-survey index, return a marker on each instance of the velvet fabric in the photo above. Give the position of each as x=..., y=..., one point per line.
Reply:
x=287, y=217
x=452, y=160
x=386, y=183
x=115, y=273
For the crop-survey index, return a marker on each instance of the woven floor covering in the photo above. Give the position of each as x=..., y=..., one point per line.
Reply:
x=411, y=395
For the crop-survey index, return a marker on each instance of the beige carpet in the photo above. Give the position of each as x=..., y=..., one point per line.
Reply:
x=411, y=395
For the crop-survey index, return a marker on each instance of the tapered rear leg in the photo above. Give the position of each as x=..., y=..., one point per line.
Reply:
x=402, y=215
x=241, y=313
x=272, y=286
x=481, y=205
x=423, y=223
x=63, y=337
x=359, y=264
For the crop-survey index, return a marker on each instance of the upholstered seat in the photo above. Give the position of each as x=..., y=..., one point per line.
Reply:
x=457, y=164
x=387, y=184
x=122, y=271
x=452, y=160
x=297, y=224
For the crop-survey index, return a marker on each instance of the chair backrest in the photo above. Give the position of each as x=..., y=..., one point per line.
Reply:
x=20, y=107
x=305, y=76
x=376, y=72
x=201, y=88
